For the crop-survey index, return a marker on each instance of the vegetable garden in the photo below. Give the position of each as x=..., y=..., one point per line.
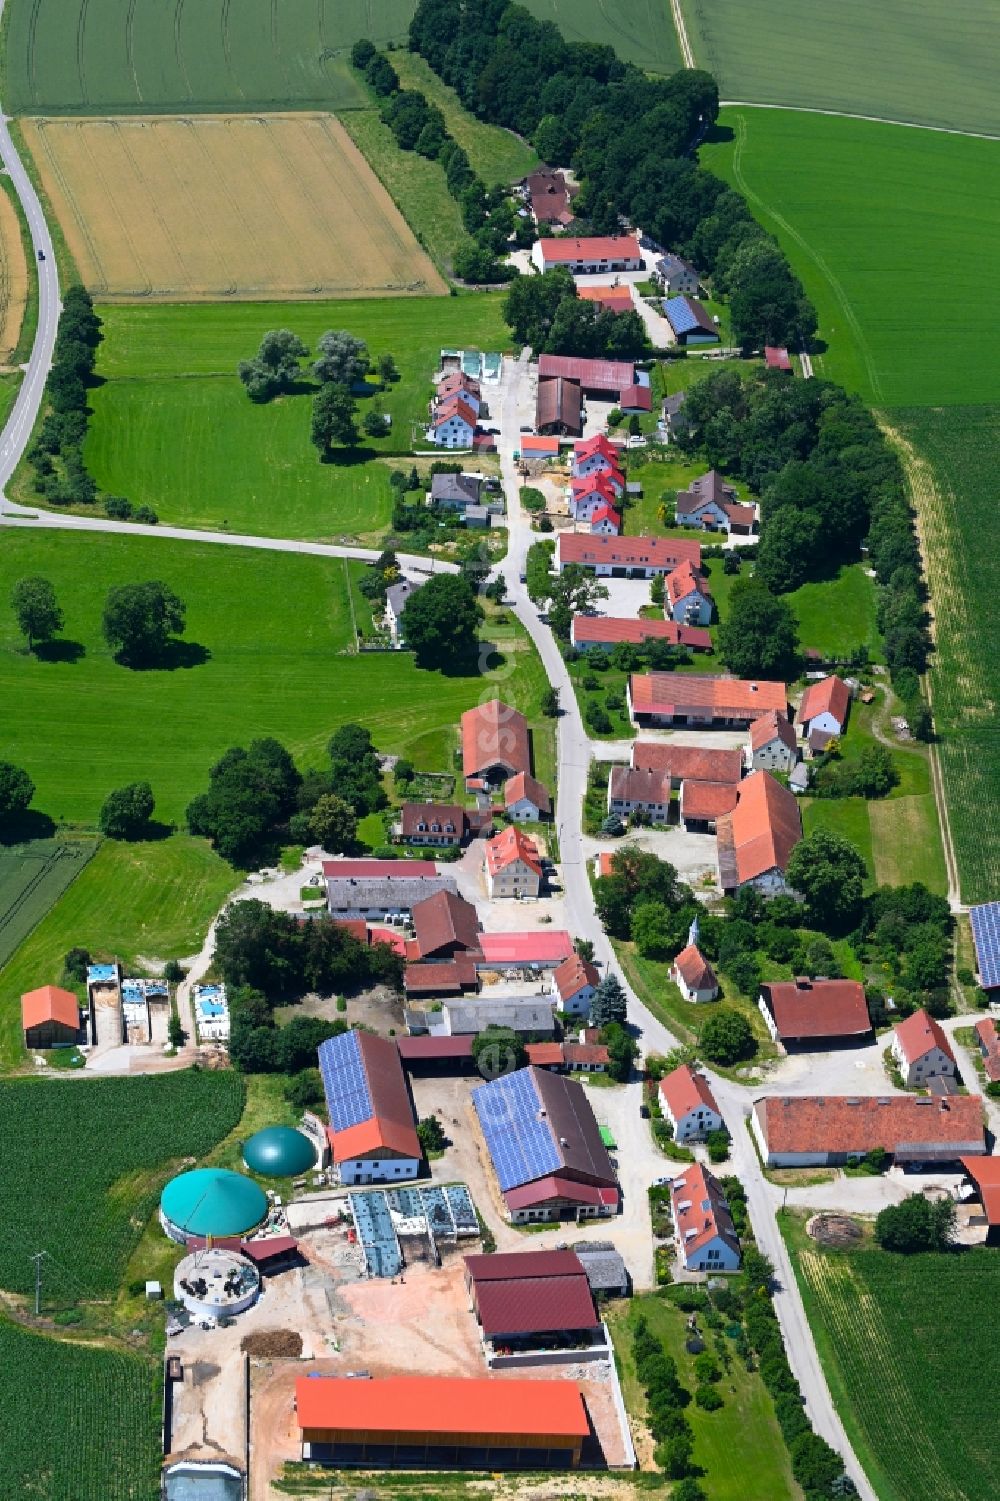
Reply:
x=84, y=1162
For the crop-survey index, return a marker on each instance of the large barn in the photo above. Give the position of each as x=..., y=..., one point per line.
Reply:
x=50, y=1017
x=372, y=1130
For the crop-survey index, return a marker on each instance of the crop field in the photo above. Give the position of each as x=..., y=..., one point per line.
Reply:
x=225, y=206
x=900, y=60
x=96, y=1434
x=138, y=901
x=260, y=658
x=889, y=1331
x=865, y=213
x=202, y=454
x=33, y=877
x=951, y=458
x=118, y=1141
x=13, y=279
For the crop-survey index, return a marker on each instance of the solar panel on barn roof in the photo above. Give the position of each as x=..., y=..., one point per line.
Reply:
x=344, y=1082
x=985, y=921
x=519, y=1139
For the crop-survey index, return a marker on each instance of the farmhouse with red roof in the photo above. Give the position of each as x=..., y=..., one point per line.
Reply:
x=666, y=698
x=631, y=791
x=453, y=423
x=702, y=804
x=372, y=1132
x=626, y=557
x=687, y=596
x=495, y=742
x=683, y=763
x=513, y=866
x=754, y=842
x=605, y=521
x=772, y=745
x=598, y=455
x=988, y=1039
x=921, y=1047
x=704, y=1233
x=688, y=1103
x=575, y=982
x=50, y=1017
x=824, y=707
x=589, y=493
x=590, y=256
x=602, y=632
x=526, y=799
x=805, y=1014
x=829, y=1130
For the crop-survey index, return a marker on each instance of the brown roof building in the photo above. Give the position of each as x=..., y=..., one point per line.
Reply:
x=440, y=824
x=702, y=803
x=754, y=842
x=559, y=408
x=445, y=925
x=551, y=196
x=681, y=697
x=806, y=1014
x=806, y=1130
x=687, y=763
x=494, y=742
x=588, y=631
x=532, y=1298
x=824, y=706
x=596, y=377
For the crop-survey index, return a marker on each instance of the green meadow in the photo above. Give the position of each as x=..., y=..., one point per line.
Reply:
x=173, y=428
x=913, y=60
x=496, y=155
x=892, y=232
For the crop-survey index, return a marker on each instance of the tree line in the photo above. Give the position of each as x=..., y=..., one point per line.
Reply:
x=488, y=214
x=631, y=141
x=547, y=313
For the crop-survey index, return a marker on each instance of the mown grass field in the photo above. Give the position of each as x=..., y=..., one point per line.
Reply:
x=891, y=231
x=224, y=206
x=951, y=458
x=173, y=427
x=271, y=624
x=837, y=614
x=33, y=876
x=497, y=155
x=890, y=1330
x=739, y=1448
x=119, y=1141
x=95, y=1436
x=901, y=59
x=131, y=901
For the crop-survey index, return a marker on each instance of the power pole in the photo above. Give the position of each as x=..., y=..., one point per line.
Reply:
x=38, y=1259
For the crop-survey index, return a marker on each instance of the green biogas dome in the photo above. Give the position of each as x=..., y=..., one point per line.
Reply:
x=211, y=1201
x=279, y=1152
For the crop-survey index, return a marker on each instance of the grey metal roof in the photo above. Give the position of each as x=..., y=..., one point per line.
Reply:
x=604, y=1265
x=461, y=488
x=397, y=594
x=521, y=1014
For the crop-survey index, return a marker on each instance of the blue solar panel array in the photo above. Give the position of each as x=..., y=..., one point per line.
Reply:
x=986, y=936
x=680, y=315
x=520, y=1142
x=344, y=1083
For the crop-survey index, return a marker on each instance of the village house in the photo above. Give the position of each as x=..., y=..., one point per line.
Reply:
x=687, y=598
x=831, y=1130
x=636, y=399
x=526, y=799
x=690, y=322
x=691, y=972
x=559, y=408
x=598, y=455
x=704, y=1233
x=687, y=763
x=590, y=256
x=805, y=1015
x=824, y=708
x=688, y=1103
x=455, y=491
x=702, y=804
x=681, y=698
x=590, y=493
x=453, y=424
x=550, y=196
x=395, y=603
x=677, y=276
x=442, y=824
x=513, y=866
x=626, y=557
x=616, y=299
x=538, y=450
x=755, y=841
x=988, y=1039
x=575, y=982
x=495, y=742
x=602, y=632
x=604, y=379
x=569, y=1057
x=711, y=504
x=673, y=422
x=605, y=521
x=631, y=791
x=771, y=744
x=921, y=1048
x=457, y=384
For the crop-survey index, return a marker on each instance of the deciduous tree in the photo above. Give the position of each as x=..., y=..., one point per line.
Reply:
x=139, y=620
x=333, y=419
x=125, y=813
x=37, y=610
x=440, y=621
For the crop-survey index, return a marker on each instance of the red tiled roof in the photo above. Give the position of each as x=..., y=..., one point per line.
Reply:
x=627, y=552
x=638, y=397
x=685, y=763
x=700, y=1210
x=910, y=1126
x=573, y=974
x=50, y=1004
x=494, y=734
x=441, y=1406
x=602, y=375
x=373, y=870
x=603, y=513
x=617, y=299
x=576, y=1054
x=442, y=814
x=510, y=846
x=989, y=1041
x=695, y=969
x=598, y=483
x=627, y=784
x=391, y=936
x=543, y=947
x=536, y=443
x=445, y=919
x=685, y=1090
x=763, y=828
x=375, y=1135
x=604, y=864
x=608, y=630
x=918, y=1034
x=776, y=359
x=457, y=380
x=593, y=248
x=771, y=727
x=683, y=693
x=391, y=1126
x=441, y=977
x=535, y=1305
x=552, y=1189
x=355, y=926
x=708, y=800
x=817, y=1008
x=585, y=448
x=682, y=582
x=544, y=1054
x=830, y=696
x=740, y=515
x=454, y=406
x=985, y=1174
x=426, y=1049
x=525, y=785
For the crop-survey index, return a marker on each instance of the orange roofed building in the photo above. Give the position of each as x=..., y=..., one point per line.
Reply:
x=667, y=698
x=513, y=867
x=50, y=1017
x=372, y=1130
x=828, y=1130
x=482, y=1423
x=754, y=842
x=494, y=742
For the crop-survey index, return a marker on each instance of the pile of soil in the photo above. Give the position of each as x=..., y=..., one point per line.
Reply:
x=836, y=1230
x=271, y=1342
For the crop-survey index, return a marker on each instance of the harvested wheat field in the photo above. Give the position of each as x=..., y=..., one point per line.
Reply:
x=213, y=206
x=13, y=279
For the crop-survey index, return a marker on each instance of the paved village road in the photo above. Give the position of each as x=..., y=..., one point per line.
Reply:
x=517, y=411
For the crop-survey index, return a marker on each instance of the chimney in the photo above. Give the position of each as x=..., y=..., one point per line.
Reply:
x=803, y=982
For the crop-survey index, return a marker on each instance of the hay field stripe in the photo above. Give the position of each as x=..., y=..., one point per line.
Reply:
x=162, y=219
x=130, y=47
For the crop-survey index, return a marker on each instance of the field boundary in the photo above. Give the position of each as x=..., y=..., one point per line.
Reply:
x=82, y=851
x=844, y=114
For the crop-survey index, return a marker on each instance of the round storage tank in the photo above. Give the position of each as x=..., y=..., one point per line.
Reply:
x=279, y=1152
x=211, y=1201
